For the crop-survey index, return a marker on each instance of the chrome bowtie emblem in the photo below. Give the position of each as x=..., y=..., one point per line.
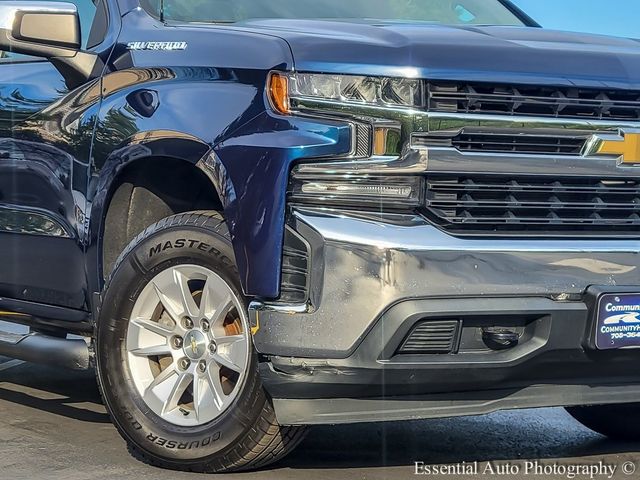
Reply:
x=625, y=146
x=195, y=344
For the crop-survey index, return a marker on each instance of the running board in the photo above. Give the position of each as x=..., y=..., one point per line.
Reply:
x=39, y=348
x=441, y=405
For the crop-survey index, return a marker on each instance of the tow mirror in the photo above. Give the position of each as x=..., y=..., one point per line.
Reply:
x=48, y=30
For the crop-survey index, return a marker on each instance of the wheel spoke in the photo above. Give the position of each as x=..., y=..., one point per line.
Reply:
x=175, y=310
x=182, y=381
x=207, y=301
x=221, y=310
x=229, y=339
x=236, y=352
x=173, y=292
x=153, y=327
x=152, y=351
x=215, y=385
x=216, y=300
x=197, y=395
x=229, y=361
x=186, y=297
x=161, y=378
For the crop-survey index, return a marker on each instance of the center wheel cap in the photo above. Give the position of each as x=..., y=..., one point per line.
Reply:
x=195, y=345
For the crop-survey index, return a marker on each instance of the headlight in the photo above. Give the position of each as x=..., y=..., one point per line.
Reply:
x=347, y=94
x=286, y=89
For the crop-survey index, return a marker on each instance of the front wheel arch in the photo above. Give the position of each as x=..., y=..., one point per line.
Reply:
x=144, y=192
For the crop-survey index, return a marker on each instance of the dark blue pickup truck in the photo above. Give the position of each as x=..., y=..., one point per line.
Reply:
x=252, y=216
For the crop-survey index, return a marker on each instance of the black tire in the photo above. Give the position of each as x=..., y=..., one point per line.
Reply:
x=619, y=422
x=247, y=435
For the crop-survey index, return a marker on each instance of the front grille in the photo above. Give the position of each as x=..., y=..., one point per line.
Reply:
x=518, y=205
x=432, y=337
x=507, y=142
x=559, y=102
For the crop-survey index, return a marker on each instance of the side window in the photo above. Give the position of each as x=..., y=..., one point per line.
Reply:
x=10, y=57
x=93, y=17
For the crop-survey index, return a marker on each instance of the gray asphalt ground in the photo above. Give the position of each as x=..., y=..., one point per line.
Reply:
x=53, y=426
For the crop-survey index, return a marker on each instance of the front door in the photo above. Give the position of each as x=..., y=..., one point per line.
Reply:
x=44, y=154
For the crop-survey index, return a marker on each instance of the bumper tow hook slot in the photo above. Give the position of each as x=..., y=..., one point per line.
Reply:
x=500, y=338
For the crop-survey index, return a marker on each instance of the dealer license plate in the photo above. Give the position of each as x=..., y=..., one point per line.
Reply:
x=618, y=321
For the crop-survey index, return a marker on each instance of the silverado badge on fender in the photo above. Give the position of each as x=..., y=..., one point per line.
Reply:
x=163, y=46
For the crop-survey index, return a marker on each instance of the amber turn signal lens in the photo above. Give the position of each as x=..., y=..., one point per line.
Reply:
x=279, y=93
x=380, y=141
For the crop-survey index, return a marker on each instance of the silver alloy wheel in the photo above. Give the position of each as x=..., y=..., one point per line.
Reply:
x=188, y=345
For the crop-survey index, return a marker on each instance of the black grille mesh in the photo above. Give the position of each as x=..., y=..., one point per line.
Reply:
x=507, y=142
x=510, y=204
x=599, y=104
x=522, y=144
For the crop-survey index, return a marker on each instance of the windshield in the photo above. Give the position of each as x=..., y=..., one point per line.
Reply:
x=454, y=12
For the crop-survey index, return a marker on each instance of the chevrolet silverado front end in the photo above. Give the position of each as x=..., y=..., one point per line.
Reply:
x=265, y=215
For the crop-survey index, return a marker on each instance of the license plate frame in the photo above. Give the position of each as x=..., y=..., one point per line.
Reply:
x=617, y=321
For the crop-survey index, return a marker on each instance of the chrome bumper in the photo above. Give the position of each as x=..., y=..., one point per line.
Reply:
x=362, y=264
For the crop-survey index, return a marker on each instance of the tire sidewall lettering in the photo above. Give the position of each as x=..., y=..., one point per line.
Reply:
x=175, y=445
x=180, y=243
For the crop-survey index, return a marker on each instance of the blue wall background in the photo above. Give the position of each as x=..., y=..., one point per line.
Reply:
x=610, y=17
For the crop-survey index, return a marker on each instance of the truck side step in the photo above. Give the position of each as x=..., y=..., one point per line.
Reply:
x=39, y=348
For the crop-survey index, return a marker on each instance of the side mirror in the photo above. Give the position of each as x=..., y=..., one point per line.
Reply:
x=48, y=30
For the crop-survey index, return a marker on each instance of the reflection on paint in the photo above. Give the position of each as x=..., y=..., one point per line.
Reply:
x=30, y=223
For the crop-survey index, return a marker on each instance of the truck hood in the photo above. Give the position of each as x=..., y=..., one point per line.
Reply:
x=471, y=53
